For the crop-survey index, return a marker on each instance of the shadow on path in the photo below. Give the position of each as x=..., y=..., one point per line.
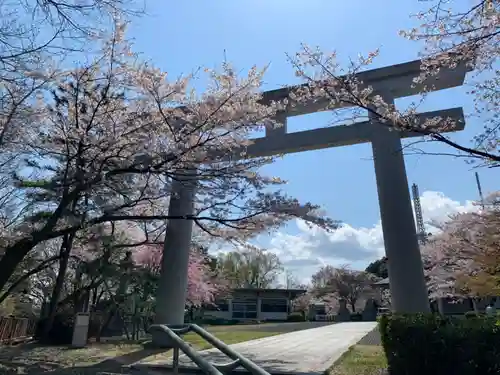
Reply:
x=372, y=338
x=111, y=365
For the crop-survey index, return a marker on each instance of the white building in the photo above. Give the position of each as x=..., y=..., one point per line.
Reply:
x=255, y=304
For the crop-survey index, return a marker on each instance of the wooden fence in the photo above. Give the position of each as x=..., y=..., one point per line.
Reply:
x=14, y=329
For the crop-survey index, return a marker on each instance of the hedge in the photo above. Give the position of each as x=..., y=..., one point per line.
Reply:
x=434, y=345
x=474, y=315
x=296, y=317
x=356, y=317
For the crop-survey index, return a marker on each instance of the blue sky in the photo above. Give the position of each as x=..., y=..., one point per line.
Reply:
x=184, y=35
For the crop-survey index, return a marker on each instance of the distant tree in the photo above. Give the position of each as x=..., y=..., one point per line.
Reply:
x=378, y=268
x=333, y=284
x=464, y=258
x=250, y=268
x=302, y=303
x=292, y=281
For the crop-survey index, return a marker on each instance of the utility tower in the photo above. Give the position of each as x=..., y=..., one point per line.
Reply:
x=421, y=233
x=478, y=183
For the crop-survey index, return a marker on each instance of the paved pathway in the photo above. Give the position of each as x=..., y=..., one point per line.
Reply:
x=310, y=351
x=373, y=338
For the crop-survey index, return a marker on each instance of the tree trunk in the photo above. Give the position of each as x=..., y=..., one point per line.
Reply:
x=79, y=292
x=56, y=292
x=108, y=316
x=191, y=314
x=353, y=306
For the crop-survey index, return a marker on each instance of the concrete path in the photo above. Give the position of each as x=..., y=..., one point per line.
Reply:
x=310, y=351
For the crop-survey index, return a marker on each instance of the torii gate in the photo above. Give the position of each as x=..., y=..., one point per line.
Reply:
x=407, y=283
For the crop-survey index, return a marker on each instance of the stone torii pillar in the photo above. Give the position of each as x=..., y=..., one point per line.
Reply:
x=407, y=284
x=172, y=288
x=409, y=289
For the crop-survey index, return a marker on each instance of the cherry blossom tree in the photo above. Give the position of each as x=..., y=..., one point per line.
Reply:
x=454, y=34
x=333, y=284
x=203, y=285
x=303, y=303
x=36, y=37
x=108, y=138
x=464, y=258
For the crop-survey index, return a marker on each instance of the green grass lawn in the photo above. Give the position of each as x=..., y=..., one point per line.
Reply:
x=62, y=356
x=229, y=337
x=360, y=360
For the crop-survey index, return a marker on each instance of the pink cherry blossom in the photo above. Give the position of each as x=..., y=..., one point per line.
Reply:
x=463, y=258
x=203, y=286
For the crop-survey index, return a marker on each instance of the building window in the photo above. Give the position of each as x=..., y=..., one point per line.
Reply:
x=217, y=306
x=238, y=314
x=274, y=305
x=245, y=309
x=223, y=306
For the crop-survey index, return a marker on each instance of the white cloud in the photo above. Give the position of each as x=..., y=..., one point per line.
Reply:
x=304, y=253
x=437, y=207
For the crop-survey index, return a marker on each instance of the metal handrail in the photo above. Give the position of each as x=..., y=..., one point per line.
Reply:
x=207, y=367
x=226, y=349
x=179, y=343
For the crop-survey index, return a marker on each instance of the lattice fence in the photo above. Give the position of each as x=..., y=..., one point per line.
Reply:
x=14, y=329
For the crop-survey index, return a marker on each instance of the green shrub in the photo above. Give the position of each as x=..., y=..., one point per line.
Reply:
x=474, y=315
x=435, y=345
x=296, y=317
x=356, y=317
x=470, y=315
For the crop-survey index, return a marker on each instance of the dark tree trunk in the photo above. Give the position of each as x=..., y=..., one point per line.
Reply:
x=56, y=292
x=191, y=314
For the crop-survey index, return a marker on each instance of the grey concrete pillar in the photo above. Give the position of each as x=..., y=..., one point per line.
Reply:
x=406, y=275
x=172, y=288
x=230, y=308
x=259, y=307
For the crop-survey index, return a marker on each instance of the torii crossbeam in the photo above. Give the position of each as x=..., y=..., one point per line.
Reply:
x=407, y=283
